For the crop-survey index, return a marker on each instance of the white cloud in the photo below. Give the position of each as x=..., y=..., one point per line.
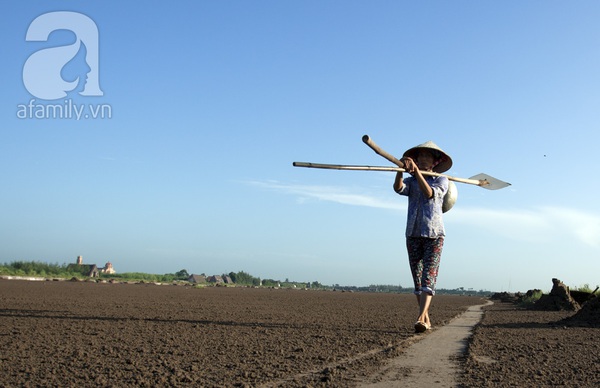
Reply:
x=583, y=225
x=533, y=224
x=342, y=195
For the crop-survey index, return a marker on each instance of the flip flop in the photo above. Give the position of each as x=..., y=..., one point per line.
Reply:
x=421, y=327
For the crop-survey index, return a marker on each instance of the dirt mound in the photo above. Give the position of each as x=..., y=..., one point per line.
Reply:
x=589, y=315
x=582, y=296
x=506, y=297
x=559, y=299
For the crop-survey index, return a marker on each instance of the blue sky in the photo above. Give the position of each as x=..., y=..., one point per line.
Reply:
x=211, y=102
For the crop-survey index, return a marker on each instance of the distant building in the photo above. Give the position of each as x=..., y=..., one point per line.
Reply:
x=215, y=279
x=90, y=270
x=108, y=268
x=93, y=271
x=198, y=279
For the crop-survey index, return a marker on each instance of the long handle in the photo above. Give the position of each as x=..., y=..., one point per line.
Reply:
x=475, y=182
x=367, y=140
x=481, y=180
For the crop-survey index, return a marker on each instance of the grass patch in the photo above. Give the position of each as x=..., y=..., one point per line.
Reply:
x=585, y=288
x=531, y=297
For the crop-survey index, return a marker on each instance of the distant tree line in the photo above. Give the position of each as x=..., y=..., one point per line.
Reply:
x=398, y=289
x=245, y=279
x=36, y=268
x=41, y=269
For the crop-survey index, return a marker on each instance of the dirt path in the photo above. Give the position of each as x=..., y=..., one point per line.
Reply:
x=430, y=361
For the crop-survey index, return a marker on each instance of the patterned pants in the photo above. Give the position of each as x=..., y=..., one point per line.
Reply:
x=424, y=256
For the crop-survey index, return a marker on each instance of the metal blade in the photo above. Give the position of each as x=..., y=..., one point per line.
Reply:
x=489, y=182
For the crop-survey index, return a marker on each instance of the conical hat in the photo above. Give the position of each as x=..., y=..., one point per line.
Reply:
x=445, y=161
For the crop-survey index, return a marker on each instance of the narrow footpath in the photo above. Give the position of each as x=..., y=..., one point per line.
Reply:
x=431, y=361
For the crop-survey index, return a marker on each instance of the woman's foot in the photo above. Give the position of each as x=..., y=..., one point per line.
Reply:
x=421, y=327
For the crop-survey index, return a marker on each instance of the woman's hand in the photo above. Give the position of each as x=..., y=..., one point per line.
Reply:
x=409, y=165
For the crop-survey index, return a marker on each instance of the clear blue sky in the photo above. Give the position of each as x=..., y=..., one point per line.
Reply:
x=211, y=102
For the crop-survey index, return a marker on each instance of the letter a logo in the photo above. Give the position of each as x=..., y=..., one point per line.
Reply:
x=42, y=70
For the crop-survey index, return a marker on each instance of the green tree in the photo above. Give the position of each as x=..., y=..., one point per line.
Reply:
x=244, y=278
x=233, y=277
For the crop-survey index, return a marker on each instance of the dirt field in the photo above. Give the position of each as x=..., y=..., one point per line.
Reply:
x=514, y=347
x=99, y=334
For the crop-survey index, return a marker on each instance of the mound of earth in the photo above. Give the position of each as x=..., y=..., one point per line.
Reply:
x=559, y=299
x=582, y=297
x=506, y=297
x=589, y=315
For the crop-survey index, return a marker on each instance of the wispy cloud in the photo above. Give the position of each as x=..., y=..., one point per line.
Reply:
x=342, y=195
x=585, y=226
x=536, y=224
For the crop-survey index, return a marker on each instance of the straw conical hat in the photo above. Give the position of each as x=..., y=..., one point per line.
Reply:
x=445, y=159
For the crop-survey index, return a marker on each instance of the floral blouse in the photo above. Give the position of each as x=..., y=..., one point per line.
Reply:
x=424, y=214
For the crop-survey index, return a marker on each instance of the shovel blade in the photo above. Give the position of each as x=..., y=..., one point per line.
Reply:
x=489, y=182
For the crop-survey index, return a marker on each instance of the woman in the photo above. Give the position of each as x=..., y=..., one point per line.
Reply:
x=424, y=228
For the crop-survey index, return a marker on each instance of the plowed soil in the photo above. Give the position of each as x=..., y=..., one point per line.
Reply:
x=516, y=347
x=63, y=333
